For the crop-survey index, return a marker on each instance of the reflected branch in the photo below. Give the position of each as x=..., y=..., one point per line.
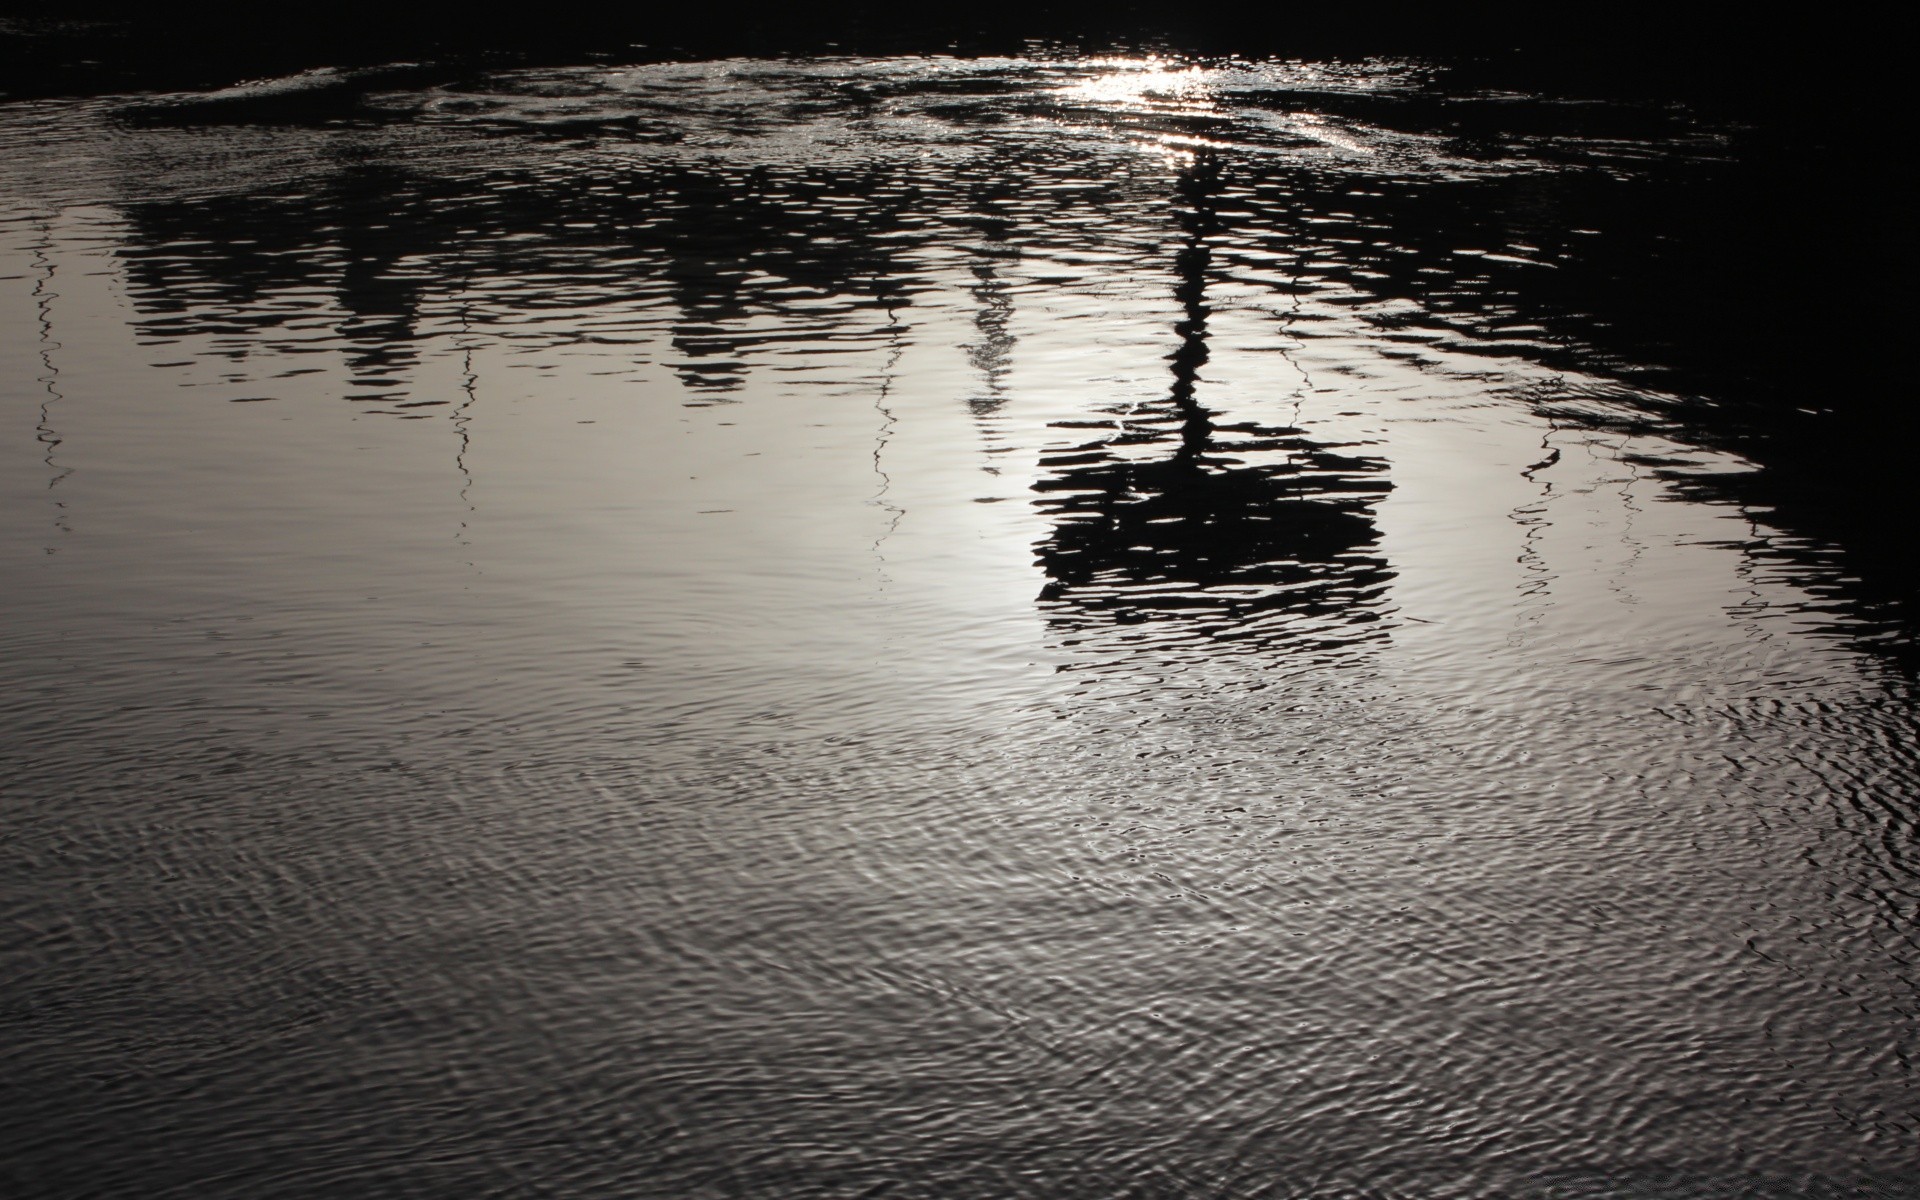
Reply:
x=462, y=412
x=895, y=332
x=49, y=438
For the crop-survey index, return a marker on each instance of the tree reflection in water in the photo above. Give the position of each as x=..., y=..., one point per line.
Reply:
x=1203, y=535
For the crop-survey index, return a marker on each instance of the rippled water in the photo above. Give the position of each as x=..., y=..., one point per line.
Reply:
x=1051, y=627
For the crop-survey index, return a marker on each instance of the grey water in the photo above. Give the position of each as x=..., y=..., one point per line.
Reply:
x=1048, y=626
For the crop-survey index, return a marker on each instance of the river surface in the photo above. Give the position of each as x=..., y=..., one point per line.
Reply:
x=1055, y=627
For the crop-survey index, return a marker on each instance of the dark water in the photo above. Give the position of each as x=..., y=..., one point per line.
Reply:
x=1033, y=627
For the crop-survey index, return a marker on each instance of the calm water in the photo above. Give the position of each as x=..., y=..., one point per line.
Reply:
x=1051, y=627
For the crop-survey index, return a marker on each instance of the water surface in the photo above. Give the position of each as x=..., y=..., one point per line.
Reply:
x=1056, y=627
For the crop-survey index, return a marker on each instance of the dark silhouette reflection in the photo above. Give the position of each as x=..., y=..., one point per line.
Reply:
x=1626, y=248
x=251, y=272
x=381, y=296
x=749, y=265
x=1237, y=523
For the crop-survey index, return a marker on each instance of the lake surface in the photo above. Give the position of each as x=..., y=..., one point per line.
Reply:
x=1037, y=627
